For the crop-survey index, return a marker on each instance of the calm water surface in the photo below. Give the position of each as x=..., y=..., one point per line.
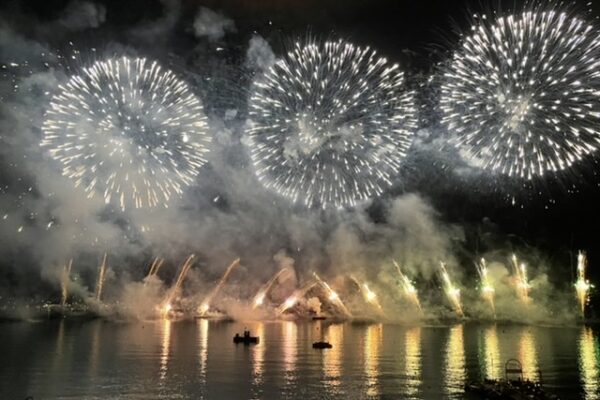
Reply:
x=193, y=360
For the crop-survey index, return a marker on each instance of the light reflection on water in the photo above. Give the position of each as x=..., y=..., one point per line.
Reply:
x=588, y=363
x=202, y=325
x=528, y=355
x=412, y=361
x=332, y=358
x=192, y=360
x=455, y=372
x=492, y=363
x=165, y=348
x=372, y=345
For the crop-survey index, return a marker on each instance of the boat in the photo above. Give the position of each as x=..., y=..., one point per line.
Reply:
x=322, y=345
x=512, y=387
x=319, y=318
x=245, y=338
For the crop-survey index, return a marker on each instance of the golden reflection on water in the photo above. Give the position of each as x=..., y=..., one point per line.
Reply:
x=202, y=325
x=332, y=358
x=258, y=354
x=412, y=360
x=165, y=347
x=454, y=370
x=491, y=353
x=95, y=349
x=588, y=363
x=528, y=355
x=290, y=349
x=372, y=345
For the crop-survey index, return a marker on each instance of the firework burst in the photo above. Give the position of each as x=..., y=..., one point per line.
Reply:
x=582, y=286
x=487, y=290
x=452, y=292
x=410, y=291
x=521, y=280
x=330, y=124
x=521, y=95
x=129, y=130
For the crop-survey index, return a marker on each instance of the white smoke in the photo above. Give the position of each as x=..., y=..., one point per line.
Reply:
x=212, y=25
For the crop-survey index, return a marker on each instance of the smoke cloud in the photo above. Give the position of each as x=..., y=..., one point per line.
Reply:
x=212, y=25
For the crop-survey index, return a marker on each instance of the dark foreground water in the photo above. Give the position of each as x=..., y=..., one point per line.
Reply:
x=196, y=359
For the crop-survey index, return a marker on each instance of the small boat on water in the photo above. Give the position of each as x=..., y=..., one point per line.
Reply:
x=322, y=345
x=245, y=338
x=511, y=388
x=319, y=318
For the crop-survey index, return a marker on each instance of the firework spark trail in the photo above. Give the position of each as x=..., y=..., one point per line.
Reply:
x=127, y=129
x=297, y=295
x=333, y=297
x=205, y=306
x=101, y=276
x=330, y=124
x=408, y=287
x=521, y=94
x=174, y=291
x=521, y=280
x=155, y=266
x=582, y=286
x=487, y=289
x=259, y=298
x=369, y=296
x=64, y=283
x=452, y=292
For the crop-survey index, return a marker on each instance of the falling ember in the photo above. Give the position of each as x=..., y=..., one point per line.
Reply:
x=582, y=286
x=407, y=286
x=101, y=275
x=205, y=306
x=259, y=298
x=487, y=290
x=166, y=307
x=452, y=291
x=64, y=283
x=333, y=296
x=521, y=281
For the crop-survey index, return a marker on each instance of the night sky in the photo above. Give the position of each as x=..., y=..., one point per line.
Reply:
x=550, y=219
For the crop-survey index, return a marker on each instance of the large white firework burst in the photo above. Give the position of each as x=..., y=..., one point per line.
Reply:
x=129, y=130
x=330, y=124
x=521, y=94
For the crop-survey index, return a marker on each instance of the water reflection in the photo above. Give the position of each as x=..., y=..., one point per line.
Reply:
x=202, y=325
x=528, y=355
x=60, y=344
x=165, y=347
x=258, y=354
x=492, y=364
x=412, y=361
x=95, y=350
x=588, y=363
x=454, y=372
x=290, y=350
x=332, y=358
x=372, y=344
